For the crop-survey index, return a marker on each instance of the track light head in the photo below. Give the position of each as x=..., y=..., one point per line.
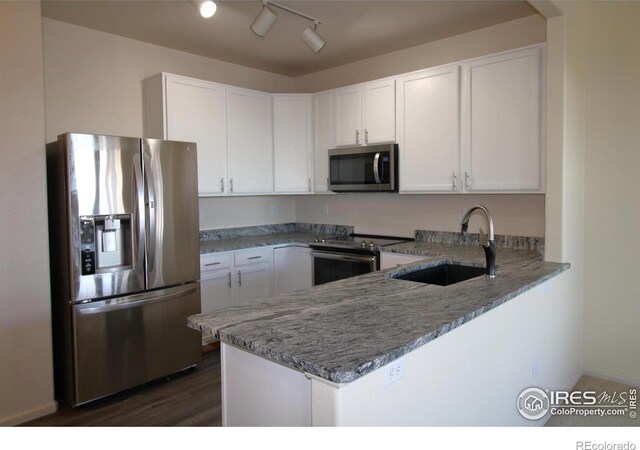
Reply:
x=311, y=37
x=206, y=8
x=264, y=21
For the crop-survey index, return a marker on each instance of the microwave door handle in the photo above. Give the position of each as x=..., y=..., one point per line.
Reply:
x=376, y=164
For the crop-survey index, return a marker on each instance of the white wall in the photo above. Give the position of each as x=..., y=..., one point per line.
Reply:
x=400, y=215
x=26, y=372
x=612, y=209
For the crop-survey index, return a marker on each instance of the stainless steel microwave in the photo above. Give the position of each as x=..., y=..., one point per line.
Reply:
x=370, y=168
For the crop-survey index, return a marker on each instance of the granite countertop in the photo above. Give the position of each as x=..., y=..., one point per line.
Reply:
x=239, y=243
x=342, y=330
x=229, y=239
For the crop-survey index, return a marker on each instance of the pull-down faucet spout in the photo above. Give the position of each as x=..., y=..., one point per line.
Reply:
x=488, y=242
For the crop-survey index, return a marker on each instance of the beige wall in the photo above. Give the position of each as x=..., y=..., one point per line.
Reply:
x=26, y=373
x=93, y=79
x=506, y=36
x=612, y=209
x=401, y=215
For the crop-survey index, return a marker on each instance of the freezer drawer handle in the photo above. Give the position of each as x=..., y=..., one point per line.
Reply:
x=134, y=300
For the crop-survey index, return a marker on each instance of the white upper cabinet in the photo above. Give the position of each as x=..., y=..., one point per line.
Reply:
x=365, y=113
x=195, y=112
x=322, y=139
x=348, y=116
x=428, y=130
x=249, y=141
x=501, y=119
x=379, y=112
x=292, y=143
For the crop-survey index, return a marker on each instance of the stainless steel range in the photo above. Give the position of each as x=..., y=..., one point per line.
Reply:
x=342, y=257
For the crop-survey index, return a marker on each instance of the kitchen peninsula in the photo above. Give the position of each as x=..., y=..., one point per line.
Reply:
x=375, y=350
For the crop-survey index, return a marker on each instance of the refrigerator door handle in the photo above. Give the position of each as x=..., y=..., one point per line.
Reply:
x=139, y=214
x=151, y=215
x=134, y=300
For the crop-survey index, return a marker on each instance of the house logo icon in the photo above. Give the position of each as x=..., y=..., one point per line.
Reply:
x=533, y=403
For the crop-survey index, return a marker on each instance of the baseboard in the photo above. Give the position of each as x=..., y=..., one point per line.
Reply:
x=611, y=377
x=29, y=414
x=567, y=387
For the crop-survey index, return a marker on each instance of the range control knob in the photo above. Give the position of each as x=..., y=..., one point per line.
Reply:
x=323, y=241
x=316, y=240
x=371, y=245
x=364, y=244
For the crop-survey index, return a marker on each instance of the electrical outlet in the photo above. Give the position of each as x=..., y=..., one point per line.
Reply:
x=393, y=371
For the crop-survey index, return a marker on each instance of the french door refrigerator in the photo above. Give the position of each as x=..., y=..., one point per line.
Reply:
x=124, y=255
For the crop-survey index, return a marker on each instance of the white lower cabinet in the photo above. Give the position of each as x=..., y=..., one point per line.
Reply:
x=235, y=278
x=390, y=260
x=254, y=274
x=292, y=269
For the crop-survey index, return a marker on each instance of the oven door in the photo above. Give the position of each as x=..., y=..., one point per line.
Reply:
x=329, y=266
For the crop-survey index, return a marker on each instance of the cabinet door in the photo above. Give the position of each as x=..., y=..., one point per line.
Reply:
x=254, y=282
x=501, y=120
x=323, y=139
x=217, y=290
x=249, y=142
x=428, y=130
x=292, y=269
x=292, y=143
x=348, y=116
x=379, y=112
x=195, y=112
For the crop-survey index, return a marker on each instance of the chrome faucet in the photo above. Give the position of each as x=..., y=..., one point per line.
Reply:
x=488, y=242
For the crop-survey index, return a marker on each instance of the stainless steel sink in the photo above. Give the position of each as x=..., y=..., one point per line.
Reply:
x=443, y=274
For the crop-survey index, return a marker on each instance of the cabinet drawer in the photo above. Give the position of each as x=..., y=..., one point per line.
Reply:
x=253, y=256
x=215, y=261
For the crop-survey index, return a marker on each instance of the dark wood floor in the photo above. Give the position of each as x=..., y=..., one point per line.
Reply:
x=189, y=398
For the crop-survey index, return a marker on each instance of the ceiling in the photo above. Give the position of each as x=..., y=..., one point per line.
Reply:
x=353, y=30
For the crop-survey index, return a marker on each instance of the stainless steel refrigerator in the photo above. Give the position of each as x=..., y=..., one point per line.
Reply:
x=124, y=254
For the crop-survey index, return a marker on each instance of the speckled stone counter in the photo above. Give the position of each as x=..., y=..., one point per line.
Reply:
x=260, y=236
x=342, y=330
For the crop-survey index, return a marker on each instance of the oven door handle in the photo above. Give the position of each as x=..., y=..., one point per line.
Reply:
x=342, y=257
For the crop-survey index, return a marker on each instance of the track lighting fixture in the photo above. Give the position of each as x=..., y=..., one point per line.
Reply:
x=206, y=8
x=311, y=37
x=267, y=17
x=263, y=22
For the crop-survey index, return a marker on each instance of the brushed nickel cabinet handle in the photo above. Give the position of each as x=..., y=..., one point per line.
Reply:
x=357, y=136
x=239, y=278
x=231, y=185
x=455, y=181
x=466, y=180
x=212, y=264
x=221, y=184
x=229, y=279
x=254, y=257
x=366, y=136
